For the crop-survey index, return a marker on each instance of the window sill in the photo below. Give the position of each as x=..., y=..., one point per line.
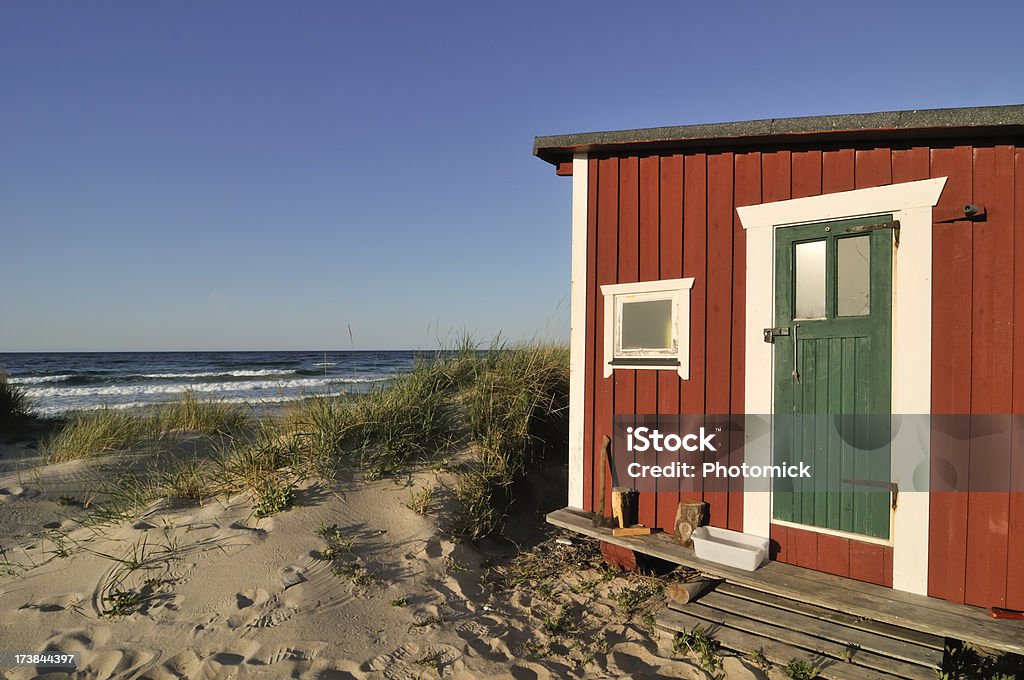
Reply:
x=644, y=363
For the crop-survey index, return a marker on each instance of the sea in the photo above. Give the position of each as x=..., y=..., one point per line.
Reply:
x=58, y=383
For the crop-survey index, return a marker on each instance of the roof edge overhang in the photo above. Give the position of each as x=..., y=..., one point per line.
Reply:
x=985, y=121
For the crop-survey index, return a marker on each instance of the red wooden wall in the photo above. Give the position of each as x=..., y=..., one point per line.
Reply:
x=663, y=217
x=673, y=215
x=977, y=539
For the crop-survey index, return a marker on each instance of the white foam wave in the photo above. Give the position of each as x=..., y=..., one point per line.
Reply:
x=180, y=388
x=56, y=410
x=39, y=379
x=256, y=373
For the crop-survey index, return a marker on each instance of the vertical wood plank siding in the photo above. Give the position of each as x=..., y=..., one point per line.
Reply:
x=670, y=266
x=1015, y=530
x=673, y=215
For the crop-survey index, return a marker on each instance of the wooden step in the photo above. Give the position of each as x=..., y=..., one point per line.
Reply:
x=867, y=649
x=775, y=651
x=933, y=642
x=805, y=633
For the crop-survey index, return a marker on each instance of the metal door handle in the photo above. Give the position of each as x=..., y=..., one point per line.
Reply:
x=796, y=354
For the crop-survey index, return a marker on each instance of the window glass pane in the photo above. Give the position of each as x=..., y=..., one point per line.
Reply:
x=647, y=325
x=810, y=280
x=853, y=276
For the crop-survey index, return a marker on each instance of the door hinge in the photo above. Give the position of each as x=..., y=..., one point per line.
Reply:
x=771, y=333
x=893, y=487
x=894, y=225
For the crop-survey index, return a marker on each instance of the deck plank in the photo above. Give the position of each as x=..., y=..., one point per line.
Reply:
x=846, y=637
x=933, y=616
x=796, y=637
x=932, y=642
x=775, y=651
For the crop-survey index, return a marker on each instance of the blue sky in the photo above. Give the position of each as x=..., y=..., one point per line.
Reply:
x=256, y=175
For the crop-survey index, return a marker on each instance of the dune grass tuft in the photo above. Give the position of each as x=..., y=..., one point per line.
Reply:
x=93, y=432
x=208, y=416
x=14, y=403
x=512, y=409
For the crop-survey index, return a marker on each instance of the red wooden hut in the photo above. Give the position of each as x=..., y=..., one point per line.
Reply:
x=892, y=242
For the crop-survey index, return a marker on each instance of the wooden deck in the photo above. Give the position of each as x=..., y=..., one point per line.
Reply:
x=866, y=601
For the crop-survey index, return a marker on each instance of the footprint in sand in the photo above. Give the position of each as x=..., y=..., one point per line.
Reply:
x=485, y=636
x=411, y=661
x=98, y=659
x=634, y=659
x=80, y=640
x=114, y=663
x=11, y=493
x=290, y=653
x=258, y=609
x=274, y=617
x=57, y=603
x=248, y=598
x=247, y=605
x=232, y=658
x=183, y=665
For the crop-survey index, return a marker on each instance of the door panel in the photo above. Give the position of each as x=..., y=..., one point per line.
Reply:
x=833, y=374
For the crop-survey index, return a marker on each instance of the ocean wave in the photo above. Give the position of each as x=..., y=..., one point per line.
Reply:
x=61, y=409
x=39, y=379
x=181, y=388
x=88, y=378
x=217, y=374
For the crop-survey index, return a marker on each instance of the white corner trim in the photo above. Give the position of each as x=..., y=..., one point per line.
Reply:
x=577, y=329
x=911, y=203
x=679, y=291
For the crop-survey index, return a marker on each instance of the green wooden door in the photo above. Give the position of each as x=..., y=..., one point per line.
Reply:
x=833, y=292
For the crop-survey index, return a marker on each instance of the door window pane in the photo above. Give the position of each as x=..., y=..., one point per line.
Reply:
x=647, y=325
x=810, y=280
x=853, y=276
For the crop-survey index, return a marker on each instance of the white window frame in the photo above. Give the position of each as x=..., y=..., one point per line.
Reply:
x=617, y=294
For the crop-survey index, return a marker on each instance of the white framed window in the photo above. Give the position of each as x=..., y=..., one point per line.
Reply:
x=647, y=326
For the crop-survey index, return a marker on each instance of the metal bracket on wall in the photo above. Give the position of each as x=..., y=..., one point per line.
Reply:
x=971, y=212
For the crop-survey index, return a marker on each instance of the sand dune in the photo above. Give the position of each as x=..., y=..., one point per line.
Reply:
x=226, y=594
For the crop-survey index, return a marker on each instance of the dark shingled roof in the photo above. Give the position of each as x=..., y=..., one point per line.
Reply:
x=924, y=123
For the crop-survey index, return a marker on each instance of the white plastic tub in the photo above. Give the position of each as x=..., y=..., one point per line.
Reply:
x=730, y=547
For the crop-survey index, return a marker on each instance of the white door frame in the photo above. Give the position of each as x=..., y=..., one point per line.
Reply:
x=911, y=204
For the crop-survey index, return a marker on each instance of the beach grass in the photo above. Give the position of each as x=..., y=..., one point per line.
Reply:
x=14, y=403
x=501, y=407
x=95, y=432
x=208, y=416
x=513, y=409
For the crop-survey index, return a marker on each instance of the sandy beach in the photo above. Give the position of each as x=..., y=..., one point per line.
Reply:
x=223, y=593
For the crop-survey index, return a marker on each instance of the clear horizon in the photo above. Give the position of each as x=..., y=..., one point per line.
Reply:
x=256, y=175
